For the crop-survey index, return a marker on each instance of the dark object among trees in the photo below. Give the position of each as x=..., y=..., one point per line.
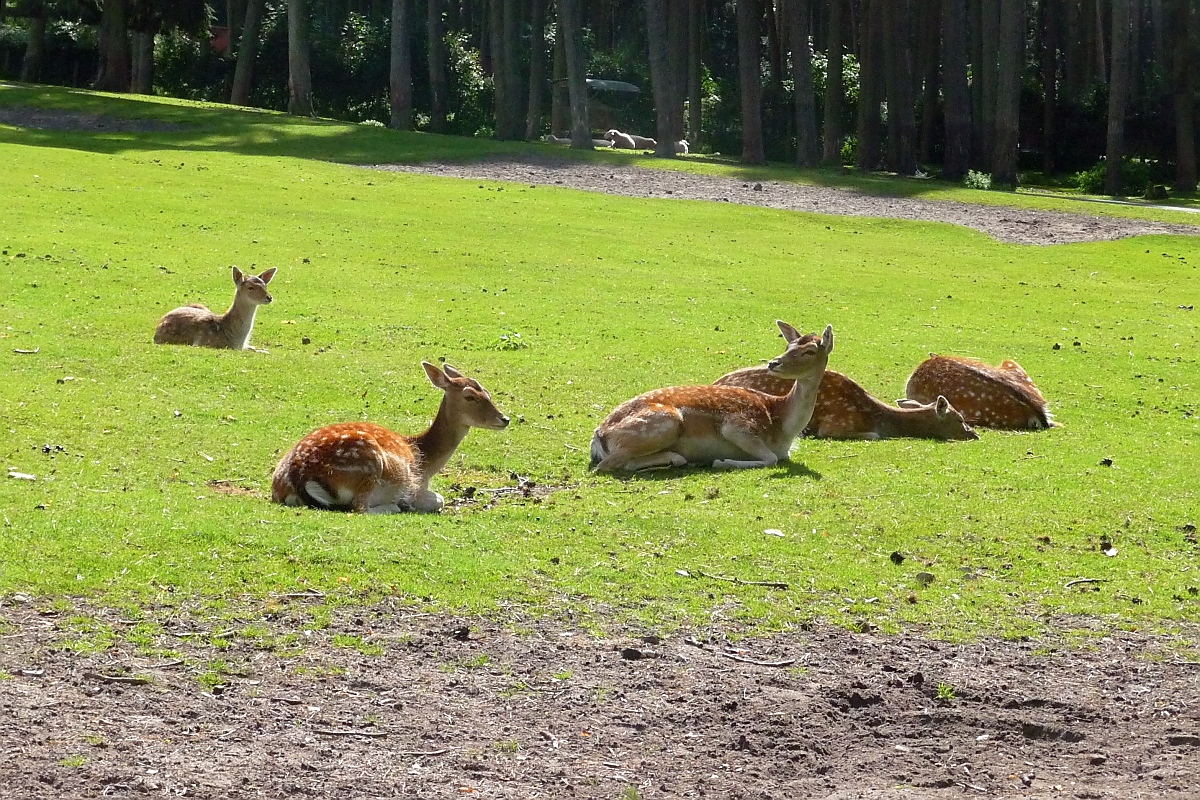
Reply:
x=1118, y=96
x=299, y=73
x=400, y=89
x=749, y=69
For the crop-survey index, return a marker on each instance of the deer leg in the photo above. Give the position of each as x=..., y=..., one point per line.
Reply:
x=664, y=458
x=643, y=443
x=427, y=502
x=752, y=444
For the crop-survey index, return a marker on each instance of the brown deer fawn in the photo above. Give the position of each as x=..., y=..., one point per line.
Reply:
x=362, y=467
x=845, y=410
x=727, y=427
x=1000, y=397
x=197, y=326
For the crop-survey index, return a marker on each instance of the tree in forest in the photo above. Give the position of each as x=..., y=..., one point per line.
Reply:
x=570, y=28
x=954, y=83
x=436, y=60
x=537, y=67
x=35, y=42
x=695, y=68
x=1118, y=96
x=560, y=102
x=247, y=52
x=831, y=153
x=902, y=123
x=984, y=65
x=1050, y=27
x=112, y=42
x=400, y=88
x=870, y=81
x=503, y=33
x=1183, y=86
x=750, y=81
x=1007, y=117
x=660, y=77
x=299, y=74
x=808, y=147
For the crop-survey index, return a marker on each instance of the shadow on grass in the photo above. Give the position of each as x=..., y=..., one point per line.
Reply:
x=784, y=469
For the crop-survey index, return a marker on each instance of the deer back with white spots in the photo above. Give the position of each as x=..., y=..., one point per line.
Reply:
x=726, y=427
x=363, y=467
x=845, y=410
x=196, y=325
x=1002, y=397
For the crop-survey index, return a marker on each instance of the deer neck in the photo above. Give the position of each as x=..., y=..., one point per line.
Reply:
x=921, y=423
x=238, y=322
x=436, y=445
x=792, y=411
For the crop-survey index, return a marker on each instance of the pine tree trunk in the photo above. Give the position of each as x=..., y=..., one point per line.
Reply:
x=299, y=73
x=957, y=95
x=677, y=65
x=435, y=49
x=774, y=47
x=1102, y=66
x=695, y=70
x=1008, y=92
x=750, y=81
x=243, y=72
x=495, y=38
x=808, y=148
x=1184, y=90
x=560, y=104
x=570, y=26
x=660, y=75
x=831, y=153
x=112, y=74
x=1049, y=82
x=870, y=92
x=930, y=21
x=400, y=68
x=1118, y=97
x=537, y=68
x=985, y=123
x=515, y=128
x=902, y=123
x=35, y=44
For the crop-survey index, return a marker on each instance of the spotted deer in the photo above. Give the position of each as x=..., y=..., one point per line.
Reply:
x=845, y=410
x=1000, y=397
x=363, y=467
x=725, y=427
x=197, y=326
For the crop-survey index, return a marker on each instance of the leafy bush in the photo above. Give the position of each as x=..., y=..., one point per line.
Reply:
x=977, y=180
x=1136, y=175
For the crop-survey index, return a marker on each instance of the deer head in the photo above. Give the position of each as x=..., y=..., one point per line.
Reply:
x=254, y=287
x=466, y=402
x=805, y=353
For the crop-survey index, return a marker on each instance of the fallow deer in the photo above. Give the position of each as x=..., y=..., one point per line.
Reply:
x=1000, y=397
x=845, y=410
x=197, y=326
x=726, y=427
x=362, y=467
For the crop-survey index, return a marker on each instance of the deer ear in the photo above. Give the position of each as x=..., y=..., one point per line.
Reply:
x=943, y=406
x=238, y=277
x=452, y=372
x=790, y=334
x=266, y=276
x=435, y=376
x=904, y=402
x=827, y=340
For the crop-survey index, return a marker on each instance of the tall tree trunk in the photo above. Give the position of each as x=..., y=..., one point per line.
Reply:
x=677, y=64
x=495, y=36
x=512, y=69
x=1118, y=97
x=1008, y=92
x=537, y=68
x=436, y=54
x=570, y=27
x=35, y=44
x=930, y=22
x=774, y=47
x=142, y=62
x=660, y=76
x=1098, y=41
x=299, y=74
x=400, y=86
x=112, y=74
x=870, y=92
x=902, y=142
x=750, y=81
x=1050, y=26
x=957, y=96
x=243, y=73
x=560, y=104
x=695, y=69
x=985, y=123
x=1184, y=90
x=808, y=147
x=831, y=153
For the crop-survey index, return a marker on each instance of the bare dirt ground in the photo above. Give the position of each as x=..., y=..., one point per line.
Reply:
x=1015, y=225
x=529, y=708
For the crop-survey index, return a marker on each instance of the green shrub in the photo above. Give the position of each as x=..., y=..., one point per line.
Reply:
x=977, y=180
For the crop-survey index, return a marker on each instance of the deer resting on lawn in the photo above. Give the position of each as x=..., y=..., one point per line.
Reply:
x=726, y=427
x=1002, y=397
x=196, y=325
x=362, y=467
x=845, y=410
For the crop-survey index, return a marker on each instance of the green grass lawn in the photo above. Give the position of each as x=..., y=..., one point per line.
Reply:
x=103, y=233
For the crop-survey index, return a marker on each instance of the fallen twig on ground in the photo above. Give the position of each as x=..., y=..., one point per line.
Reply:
x=781, y=663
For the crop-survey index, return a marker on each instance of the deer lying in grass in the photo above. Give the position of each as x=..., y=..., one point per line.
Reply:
x=197, y=326
x=362, y=467
x=845, y=410
x=1000, y=397
x=726, y=427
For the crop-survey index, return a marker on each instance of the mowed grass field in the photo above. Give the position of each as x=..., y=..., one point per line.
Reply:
x=563, y=304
